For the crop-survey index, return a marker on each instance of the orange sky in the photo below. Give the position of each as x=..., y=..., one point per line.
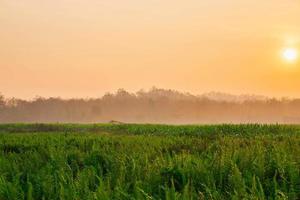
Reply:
x=77, y=48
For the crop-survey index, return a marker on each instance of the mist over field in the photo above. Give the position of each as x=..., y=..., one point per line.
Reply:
x=153, y=106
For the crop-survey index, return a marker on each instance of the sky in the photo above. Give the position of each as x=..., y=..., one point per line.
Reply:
x=77, y=48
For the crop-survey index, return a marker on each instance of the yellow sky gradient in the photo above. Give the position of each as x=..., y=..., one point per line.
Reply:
x=77, y=48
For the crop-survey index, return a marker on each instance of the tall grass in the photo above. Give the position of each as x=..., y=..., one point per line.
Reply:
x=149, y=162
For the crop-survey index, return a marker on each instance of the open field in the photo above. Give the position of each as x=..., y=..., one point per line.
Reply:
x=106, y=161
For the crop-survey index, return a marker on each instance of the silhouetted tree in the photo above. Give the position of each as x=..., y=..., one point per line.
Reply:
x=2, y=100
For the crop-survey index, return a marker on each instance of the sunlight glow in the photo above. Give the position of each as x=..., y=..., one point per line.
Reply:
x=290, y=54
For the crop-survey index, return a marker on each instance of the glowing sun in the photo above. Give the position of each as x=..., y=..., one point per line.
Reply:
x=290, y=54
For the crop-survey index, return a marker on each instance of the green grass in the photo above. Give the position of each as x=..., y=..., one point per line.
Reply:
x=104, y=161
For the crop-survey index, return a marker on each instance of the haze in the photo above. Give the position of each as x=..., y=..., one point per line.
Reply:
x=73, y=48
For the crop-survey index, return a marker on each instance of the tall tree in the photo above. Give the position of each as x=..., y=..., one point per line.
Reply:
x=2, y=100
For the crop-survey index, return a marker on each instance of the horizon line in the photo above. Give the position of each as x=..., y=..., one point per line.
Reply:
x=203, y=94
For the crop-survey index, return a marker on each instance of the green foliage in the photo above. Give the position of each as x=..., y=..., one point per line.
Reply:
x=128, y=161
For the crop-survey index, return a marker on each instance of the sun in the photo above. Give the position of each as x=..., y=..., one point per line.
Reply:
x=290, y=54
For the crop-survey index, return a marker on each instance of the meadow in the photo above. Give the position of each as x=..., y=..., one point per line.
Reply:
x=130, y=161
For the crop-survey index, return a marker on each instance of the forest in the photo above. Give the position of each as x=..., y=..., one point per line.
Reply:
x=153, y=106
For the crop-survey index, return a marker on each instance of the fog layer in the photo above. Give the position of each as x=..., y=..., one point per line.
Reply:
x=153, y=106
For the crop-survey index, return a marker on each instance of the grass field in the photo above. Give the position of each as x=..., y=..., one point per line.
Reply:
x=104, y=161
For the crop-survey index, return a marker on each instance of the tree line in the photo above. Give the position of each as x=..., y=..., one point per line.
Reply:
x=153, y=106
